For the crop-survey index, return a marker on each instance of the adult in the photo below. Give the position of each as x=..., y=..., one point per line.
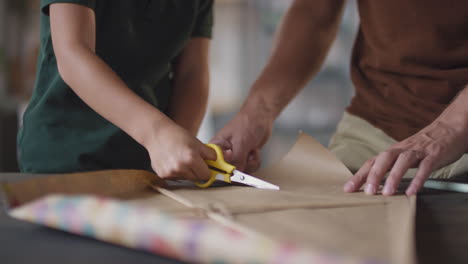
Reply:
x=409, y=68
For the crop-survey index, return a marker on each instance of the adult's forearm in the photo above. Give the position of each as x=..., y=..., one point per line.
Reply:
x=101, y=88
x=306, y=34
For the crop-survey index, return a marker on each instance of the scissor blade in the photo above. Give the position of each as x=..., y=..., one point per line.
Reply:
x=243, y=178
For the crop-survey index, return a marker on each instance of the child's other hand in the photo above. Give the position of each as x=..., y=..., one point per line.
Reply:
x=175, y=154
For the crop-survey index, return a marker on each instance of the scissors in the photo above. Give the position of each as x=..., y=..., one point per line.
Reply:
x=223, y=171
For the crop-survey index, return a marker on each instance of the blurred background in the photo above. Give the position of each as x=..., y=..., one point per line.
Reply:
x=243, y=36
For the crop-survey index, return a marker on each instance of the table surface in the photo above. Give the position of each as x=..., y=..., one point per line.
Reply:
x=441, y=237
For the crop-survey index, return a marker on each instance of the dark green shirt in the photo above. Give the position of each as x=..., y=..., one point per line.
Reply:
x=138, y=39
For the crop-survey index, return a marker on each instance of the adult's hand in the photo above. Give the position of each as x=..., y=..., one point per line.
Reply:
x=435, y=146
x=243, y=137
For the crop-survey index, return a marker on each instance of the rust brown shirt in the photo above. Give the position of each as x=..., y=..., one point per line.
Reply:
x=410, y=60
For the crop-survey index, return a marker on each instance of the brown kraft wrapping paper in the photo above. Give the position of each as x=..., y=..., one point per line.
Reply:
x=311, y=208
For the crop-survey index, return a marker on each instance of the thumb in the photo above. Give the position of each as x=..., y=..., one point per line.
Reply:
x=227, y=155
x=223, y=143
x=239, y=157
x=207, y=153
x=253, y=161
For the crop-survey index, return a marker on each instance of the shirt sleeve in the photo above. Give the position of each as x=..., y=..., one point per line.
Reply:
x=204, y=23
x=46, y=3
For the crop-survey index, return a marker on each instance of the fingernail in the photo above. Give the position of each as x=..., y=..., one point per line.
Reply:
x=349, y=186
x=388, y=190
x=370, y=189
x=410, y=191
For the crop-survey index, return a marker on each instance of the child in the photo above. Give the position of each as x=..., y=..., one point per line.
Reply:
x=121, y=84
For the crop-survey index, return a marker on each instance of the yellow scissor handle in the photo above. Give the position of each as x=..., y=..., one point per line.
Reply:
x=220, y=164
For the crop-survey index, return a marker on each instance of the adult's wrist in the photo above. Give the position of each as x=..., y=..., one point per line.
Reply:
x=456, y=114
x=457, y=122
x=259, y=108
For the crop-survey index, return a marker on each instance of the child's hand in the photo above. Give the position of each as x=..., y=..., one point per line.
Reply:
x=175, y=154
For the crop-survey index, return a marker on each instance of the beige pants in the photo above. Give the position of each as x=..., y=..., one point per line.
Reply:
x=356, y=141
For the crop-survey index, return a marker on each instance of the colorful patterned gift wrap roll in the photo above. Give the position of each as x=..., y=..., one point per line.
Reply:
x=146, y=228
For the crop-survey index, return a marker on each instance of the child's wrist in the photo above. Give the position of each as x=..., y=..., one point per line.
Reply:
x=149, y=130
